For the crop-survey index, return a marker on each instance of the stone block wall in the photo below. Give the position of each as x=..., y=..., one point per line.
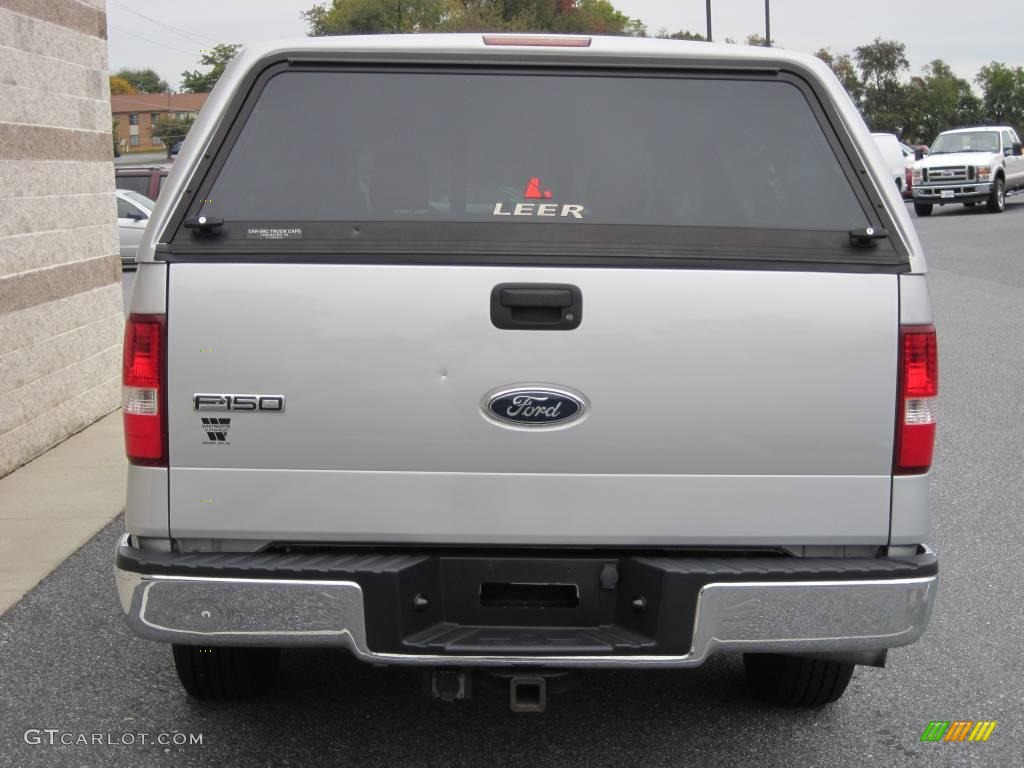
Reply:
x=61, y=315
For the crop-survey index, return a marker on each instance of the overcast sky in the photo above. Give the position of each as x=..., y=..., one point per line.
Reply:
x=966, y=35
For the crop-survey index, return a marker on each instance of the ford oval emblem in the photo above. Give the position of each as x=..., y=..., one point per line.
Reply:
x=534, y=406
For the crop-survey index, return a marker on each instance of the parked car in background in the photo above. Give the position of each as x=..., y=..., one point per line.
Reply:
x=147, y=181
x=175, y=149
x=889, y=145
x=970, y=166
x=133, y=212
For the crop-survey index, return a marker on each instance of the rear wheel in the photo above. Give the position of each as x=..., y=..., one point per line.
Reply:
x=923, y=209
x=997, y=198
x=793, y=681
x=219, y=673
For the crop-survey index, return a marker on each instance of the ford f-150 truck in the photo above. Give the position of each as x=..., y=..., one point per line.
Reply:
x=520, y=354
x=969, y=166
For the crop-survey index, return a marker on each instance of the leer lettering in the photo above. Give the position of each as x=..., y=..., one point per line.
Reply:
x=540, y=209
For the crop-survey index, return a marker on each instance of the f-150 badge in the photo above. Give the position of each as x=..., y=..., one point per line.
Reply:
x=212, y=402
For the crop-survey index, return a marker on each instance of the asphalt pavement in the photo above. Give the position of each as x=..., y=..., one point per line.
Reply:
x=68, y=664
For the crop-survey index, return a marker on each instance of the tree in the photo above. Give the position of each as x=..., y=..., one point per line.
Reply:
x=119, y=86
x=1003, y=88
x=882, y=64
x=218, y=58
x=844, y=69
x=171, y=130
x=353, y=17
x=596, y=17
x=756, y=39
x=143, y=80
x=938, y=101
x=368, y=17
x=682, y=34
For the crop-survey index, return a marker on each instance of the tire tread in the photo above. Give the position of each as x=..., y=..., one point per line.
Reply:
x=794, y=681
x=221, y=673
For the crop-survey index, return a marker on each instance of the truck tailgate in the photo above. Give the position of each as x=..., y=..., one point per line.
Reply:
x=725, y=406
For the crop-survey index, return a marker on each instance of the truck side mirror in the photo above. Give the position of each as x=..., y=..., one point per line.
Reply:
x=1018, y=148
x=918, y=153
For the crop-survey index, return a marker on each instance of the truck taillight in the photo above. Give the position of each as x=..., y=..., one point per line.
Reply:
x=919, y=386
x=144, y=390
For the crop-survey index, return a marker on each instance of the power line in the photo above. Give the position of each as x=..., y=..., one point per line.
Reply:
x=154, y=42
x=159, y=23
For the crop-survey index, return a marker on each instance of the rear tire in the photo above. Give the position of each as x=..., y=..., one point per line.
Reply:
x=794, y=681
x=219, y=673
x=923, y=209
x=997, y=198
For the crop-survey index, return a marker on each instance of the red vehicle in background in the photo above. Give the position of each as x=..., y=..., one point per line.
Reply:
x=146, y=180
x=909, y=151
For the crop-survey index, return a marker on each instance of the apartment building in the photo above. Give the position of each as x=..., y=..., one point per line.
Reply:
x=137, y=113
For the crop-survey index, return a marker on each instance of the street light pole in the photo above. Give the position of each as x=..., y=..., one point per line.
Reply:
x=708, y=11
x=767, y=24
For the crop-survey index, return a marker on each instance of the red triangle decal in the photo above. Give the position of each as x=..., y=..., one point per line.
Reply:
x=533, y=188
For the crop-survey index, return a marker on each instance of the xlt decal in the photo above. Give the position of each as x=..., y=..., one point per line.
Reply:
x=216, y=431
x=534, y=191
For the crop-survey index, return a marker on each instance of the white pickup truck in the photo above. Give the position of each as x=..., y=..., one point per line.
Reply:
x=529, y=353
x=969, y=166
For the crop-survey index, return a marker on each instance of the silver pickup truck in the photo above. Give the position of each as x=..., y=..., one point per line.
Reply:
x=519, y=354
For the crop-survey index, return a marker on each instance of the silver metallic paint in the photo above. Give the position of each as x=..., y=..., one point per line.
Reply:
x=911, y=515
x=146, y=507
x=772, y=390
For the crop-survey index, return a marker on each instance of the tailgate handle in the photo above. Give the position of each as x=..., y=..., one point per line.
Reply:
x=536, y=306
x=536, y=297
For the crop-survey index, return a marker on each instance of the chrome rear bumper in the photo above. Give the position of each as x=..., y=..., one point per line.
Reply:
x=781, y=617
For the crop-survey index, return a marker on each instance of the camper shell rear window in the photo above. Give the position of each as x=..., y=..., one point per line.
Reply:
x=644, y=163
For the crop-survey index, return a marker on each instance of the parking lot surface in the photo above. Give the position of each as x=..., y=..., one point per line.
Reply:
x=69, y=665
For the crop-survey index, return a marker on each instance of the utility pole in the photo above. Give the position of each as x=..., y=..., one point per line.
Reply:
x=708, y=11
x=767, y=24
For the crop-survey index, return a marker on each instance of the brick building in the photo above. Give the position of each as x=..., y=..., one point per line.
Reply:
x=137, y=113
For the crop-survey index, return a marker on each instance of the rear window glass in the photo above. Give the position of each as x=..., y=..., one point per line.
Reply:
x=567, y=150
x=135, y=183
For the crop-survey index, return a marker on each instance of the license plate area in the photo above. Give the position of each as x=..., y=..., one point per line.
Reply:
x=503, y=594
x=480, y=605
x=527, y=591
x=947, y=193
